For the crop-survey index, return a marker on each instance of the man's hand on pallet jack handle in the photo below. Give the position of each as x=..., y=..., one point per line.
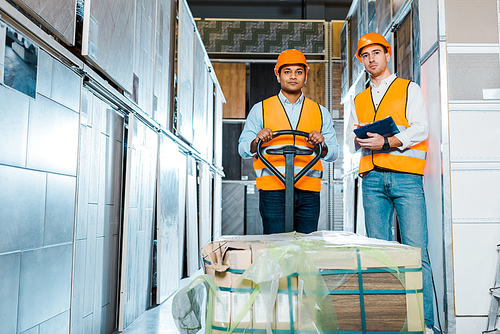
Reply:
x=316, y=138
x=266, y=135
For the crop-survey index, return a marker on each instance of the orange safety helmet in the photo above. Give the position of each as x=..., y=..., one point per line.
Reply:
x=369, y=39
x=290, y=56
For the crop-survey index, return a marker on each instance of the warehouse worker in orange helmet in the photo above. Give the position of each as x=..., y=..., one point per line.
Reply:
x=289, y=110
x=392, y=167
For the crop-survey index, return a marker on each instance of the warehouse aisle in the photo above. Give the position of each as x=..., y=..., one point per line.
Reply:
x=157, y=320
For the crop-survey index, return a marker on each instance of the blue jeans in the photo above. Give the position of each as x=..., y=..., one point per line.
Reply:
x=272, y=211
x=382, y=193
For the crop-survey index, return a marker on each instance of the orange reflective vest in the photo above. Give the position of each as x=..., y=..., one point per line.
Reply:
x=275, y=118
x=412, y=159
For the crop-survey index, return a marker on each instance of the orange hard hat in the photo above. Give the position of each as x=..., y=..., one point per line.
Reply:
x=290, y=56
x=369, y=39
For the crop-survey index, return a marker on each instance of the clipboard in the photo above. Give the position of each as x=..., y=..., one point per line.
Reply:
x=384, y=127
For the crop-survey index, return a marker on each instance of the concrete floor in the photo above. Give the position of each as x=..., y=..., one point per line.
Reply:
x=157, y=320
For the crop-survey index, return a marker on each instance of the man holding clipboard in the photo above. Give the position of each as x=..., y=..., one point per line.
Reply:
x=392, y=164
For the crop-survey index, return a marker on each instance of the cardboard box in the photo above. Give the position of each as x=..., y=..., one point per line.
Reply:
x=241, y=289
x=357, y=273
x=287, y=296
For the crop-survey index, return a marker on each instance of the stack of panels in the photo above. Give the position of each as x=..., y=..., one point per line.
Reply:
x=367, y=284
x=136, y=273
x=172, y=188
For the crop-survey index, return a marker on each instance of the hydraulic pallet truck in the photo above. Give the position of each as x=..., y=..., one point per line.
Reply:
x=289, y=178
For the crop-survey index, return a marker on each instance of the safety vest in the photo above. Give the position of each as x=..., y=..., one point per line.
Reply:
x=410, y=160
x=275, y=118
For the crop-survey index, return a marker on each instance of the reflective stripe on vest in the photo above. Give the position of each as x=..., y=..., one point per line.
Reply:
x=409, y=160
x=296, y=170
x=275, y=118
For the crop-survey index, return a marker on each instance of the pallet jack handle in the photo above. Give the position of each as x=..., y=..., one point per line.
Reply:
x=289, y=179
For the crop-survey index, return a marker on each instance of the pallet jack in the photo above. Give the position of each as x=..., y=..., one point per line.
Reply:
x=289, y=178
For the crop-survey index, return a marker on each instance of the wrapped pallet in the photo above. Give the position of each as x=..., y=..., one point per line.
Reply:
x=324, y=282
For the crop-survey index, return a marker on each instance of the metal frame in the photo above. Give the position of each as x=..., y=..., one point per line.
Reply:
x=328, y=47
x=157, y=223
x=449, y=302
x=124, y=229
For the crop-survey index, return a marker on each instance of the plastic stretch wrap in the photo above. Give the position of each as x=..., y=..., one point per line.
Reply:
x=323, y=282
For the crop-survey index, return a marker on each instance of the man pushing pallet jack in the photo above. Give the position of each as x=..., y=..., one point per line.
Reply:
x=306, y=124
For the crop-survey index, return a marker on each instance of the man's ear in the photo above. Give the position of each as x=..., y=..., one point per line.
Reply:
x=278, y=77
x=387, y=56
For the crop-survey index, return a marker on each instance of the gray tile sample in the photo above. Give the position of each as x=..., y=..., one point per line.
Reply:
x=14, y=107
x=99, y=204
x=185, y=72
x=163, y=64
x=59, y=14
x=144, y=53
x=217, y=207
x=171, y=230
x=44, y=75
x=87, y=323
x=59, y=209
x=79, y=286
x=91, y=262
x=323, y=221
x=481, y=70
x=139, y=233
x=218, y=131
x=57, y=325
x=52, y=137
x=23, y=208
x=108, y=38
x=192, y=229
x=200, y=114
x=253, y=219
x=210, y=120
x=45, y=284
x=233, y=209
x=33, y=330
x=66, y=86
x=9, y=293
x=83, y=183
x=204, y=218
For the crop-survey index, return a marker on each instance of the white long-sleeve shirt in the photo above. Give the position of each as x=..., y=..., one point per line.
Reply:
x=416, y=114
